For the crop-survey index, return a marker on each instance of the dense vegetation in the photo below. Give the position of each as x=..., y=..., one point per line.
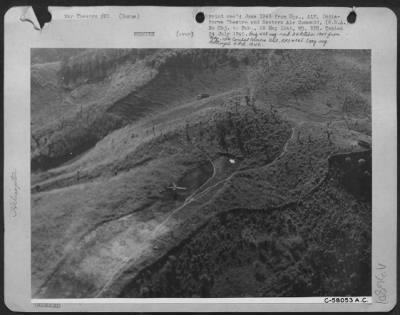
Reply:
x=239, y=129
x=320, y=246
x=267, y=145
x=276, y=77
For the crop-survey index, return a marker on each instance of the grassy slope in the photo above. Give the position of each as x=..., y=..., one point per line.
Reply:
x=284, y=251
x=267, y=188
x=67, y=120
x=303, y=166
x=144, y=161
x=165, y=158
x=79, y=114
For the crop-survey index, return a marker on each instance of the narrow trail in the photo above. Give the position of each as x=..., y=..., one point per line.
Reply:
x=77, y=243
x=303, y=194
x=189, y=199
x=193, y=196
x=284, y=150
x=186, y=202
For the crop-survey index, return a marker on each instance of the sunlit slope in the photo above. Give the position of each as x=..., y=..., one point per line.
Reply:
x=260, y=136
x=70, y=117
x=125, y=198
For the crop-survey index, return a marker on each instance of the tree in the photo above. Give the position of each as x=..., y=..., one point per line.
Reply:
x=201, y=131
x=73, y=73
x=280, y=76
x=205, y=285
x=65, y=71
x=187, y=132
x=346, y=103
x=221, y=133
x=239, y=140
x=328, y=132
x=298, y=137
x=36, y=140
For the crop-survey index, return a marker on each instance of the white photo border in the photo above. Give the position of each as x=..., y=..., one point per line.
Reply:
x=375, y=29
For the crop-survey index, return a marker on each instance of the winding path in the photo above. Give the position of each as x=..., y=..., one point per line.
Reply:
x=198, y=193
x=78, y=242
x=188, y=200
x=176, y=210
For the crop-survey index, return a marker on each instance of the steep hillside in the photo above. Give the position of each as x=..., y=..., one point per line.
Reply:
x=252, y=138
x=285, y=251
x=138, y=180
x=315, y=85
x=71, y=115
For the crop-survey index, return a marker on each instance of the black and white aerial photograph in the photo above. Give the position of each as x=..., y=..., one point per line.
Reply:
x=200, y=173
